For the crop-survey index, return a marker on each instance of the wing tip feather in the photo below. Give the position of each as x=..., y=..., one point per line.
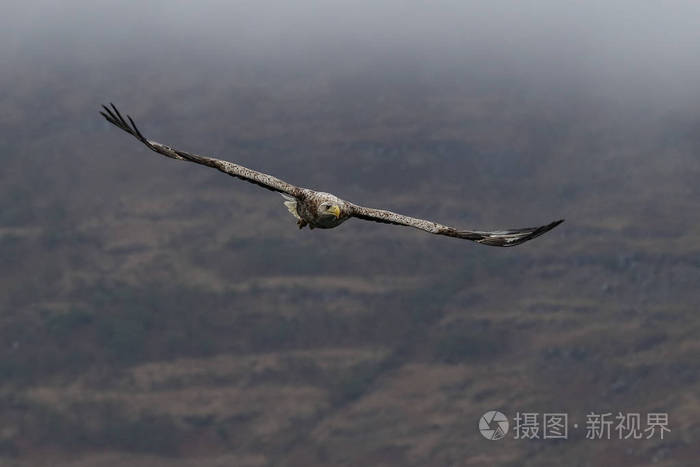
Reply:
x=519, y=236
x=114, y=117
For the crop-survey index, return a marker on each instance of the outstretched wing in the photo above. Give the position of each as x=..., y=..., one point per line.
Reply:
x=510, y=237
x=264, y=180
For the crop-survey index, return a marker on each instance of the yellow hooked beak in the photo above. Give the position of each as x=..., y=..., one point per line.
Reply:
x=335, y=210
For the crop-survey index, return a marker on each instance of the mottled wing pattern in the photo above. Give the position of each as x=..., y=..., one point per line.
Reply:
x=264, y=180
x=504, y=238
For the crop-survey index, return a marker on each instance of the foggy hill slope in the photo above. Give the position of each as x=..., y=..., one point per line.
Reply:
x=155, y=312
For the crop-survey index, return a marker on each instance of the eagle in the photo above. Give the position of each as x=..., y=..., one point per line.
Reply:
x=317, y=209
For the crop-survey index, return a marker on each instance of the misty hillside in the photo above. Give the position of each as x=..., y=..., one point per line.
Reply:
x=156, y=312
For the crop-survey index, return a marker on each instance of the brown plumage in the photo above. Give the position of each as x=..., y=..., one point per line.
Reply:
x=324, y=210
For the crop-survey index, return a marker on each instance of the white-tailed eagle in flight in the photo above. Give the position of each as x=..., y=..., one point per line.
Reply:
x=324, y=210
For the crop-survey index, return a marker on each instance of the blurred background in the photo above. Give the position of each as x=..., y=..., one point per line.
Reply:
x=155, y=312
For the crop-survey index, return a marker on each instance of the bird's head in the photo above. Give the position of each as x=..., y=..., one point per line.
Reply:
x=330, y=209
